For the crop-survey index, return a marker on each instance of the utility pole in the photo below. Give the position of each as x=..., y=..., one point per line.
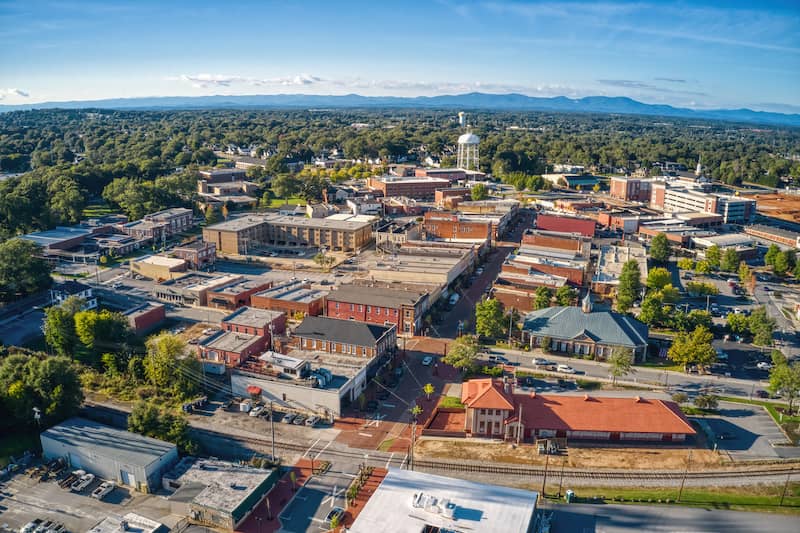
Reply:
x=561, y=478
x=785, y=487
x=272, y=423
x=546, y=463
x=510, y=325
x=683, y=479
x=519, y=424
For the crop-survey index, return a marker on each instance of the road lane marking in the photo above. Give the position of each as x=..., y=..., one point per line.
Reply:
x=388, y=461
x=312, y=446
x=322, y=450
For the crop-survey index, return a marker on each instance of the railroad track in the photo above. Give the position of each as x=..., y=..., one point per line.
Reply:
x=378, y=458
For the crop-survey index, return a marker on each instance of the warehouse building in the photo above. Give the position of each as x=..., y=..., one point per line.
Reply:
x=111, y=453
x=158, y=267
x=217, y=493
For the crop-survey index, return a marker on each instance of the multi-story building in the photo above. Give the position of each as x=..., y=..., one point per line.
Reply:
x=378, y=305
x=564, y=224
x=631, y=189
x=420, y=188
x=161, y=224
x=219, y=175
x=242, y=236
x=236, y=294
x=199, y=255
x=679, y=199
x=455, y=228
x=252, y=321
x=780, y=236
x=61, y=291
x=348, y=337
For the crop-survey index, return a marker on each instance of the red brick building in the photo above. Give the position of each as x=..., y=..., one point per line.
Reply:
x=378, y=305
x=345, y=336
x=144, y=318
x=255, y=322
x=442, y=196
x=244, y=333
x=291, y=297
x=550, y=222
x=631, y=189
x=236, y=295
x=199, y=255
x=420, y=188
x=493, y=410
x=452, y=227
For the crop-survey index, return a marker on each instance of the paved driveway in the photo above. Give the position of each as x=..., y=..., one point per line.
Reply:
x=313, y=502
x=750, y=430
x=589, y=518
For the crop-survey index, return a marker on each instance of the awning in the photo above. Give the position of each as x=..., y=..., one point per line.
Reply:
x=253, y=390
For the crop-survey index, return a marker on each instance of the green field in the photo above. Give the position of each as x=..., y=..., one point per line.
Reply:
x=752, y=498
x=277, y=202
x=97, y=210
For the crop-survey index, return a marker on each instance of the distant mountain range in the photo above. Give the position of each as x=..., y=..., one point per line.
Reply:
x=505, y=102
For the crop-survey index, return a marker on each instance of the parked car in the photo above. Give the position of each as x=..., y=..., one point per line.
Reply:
x=427, y=360
x=761, y=393
x=299, y=420
x=312, y=421
x=288, y=418
x=256, y=411
x=105, y=488
x=498, y=359
x=31, y=526
x=57, y=528
x=337, y=513
x=565, y=369
x=763, y=365
x=538, y=361
x=44, y=526
x=81, y=483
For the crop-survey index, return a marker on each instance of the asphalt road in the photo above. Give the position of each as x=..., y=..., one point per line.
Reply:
x=599, y=518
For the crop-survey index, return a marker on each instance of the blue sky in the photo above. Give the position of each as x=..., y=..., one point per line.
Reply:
x=690, y=54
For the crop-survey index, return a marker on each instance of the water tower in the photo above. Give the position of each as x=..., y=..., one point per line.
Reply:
x=468, y=151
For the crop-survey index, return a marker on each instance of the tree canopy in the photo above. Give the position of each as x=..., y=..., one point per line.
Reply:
x=22, y=269
x=489, y=319
x=630, y=285
x=462, y=353
x=693, y=348
x=660, y=249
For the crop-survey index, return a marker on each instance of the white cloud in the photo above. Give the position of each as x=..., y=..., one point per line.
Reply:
x=203, y=81
x=13, y=92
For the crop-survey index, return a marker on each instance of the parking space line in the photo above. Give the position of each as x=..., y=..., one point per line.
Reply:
x=312, y=446
x=389, y=405
x=365, y=434
x=388, y=461
x=323, y=449
x=403, y=462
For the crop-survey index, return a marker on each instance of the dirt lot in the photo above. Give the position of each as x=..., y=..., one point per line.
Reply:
x=631, y=458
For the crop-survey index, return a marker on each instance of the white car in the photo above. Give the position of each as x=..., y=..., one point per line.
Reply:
x=81, y=483
x=565, y=369
x=256, y=411
x=427, y=360
x=763, y=365
x=104, y=488
x=538, y=361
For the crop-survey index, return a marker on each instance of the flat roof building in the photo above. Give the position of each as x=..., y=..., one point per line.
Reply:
x=610, y=263
x=290, y=297
x=113, y=454
x=379, y=305
x=345, y=336
x=158, y=267
x=415, y=501
x=564, y=224
x=193, y=288
x=129, y=522
x=218, y=493
x=420, y=188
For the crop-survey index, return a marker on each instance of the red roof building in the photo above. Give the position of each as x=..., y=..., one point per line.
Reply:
x=494, y=410
x=549, y=222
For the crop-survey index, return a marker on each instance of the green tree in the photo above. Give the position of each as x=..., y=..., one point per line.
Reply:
x=786, y=379
x=489, y=320
x=658, y=277
x=670, y=294
x=284, y=186
x=101, y=330
x=713, y=256
x=566, y=295
x=428, y=389
x=311, y=188
x=703, y=267
x=685, y=263
x=744, y=274
x=463, y=353
x=479, y=192
x=781, y=264
x=652, y=312
x=730, y=260
x=22, y=269
x=660, y=248
x=620, y=363
x=151, y=420
x=772, y=252
x=324, y=260
x=59, y=329
x=796, y=271
x=761, y=325
x=542, y=298
x=738, y=324
x=693, y=348
x=212, y=215
x=630, y=285
x=161, y=360
x=707, y=402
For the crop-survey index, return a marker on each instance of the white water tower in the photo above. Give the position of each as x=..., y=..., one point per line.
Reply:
x=468, y=151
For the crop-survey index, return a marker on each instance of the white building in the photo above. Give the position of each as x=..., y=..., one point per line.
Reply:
x=60, y=292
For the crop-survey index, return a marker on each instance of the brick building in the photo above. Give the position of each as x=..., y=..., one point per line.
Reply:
x=291, y=297
x=377, y=305
x=254, y=321
x=199, y=255
x=420, y=188
x=455, y=228
x=631, y=189
x=550, y=222
x=237, y=294
x=244, y=333
x=450, y=174
x=444, y=197
x=145, y=317
x=348, y=337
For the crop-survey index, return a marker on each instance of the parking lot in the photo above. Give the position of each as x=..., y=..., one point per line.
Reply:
x=24, y=498
x=310, y=507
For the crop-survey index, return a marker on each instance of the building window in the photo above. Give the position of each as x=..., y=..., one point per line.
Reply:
x=352, y=307
x=369, y=309
x=337, y=306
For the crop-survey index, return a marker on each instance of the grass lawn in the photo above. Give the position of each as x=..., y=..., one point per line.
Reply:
x=751, y=498
x=451, y=402
x=16, y=444
x=277, y=202
x=662, y=364
x=97, y=210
